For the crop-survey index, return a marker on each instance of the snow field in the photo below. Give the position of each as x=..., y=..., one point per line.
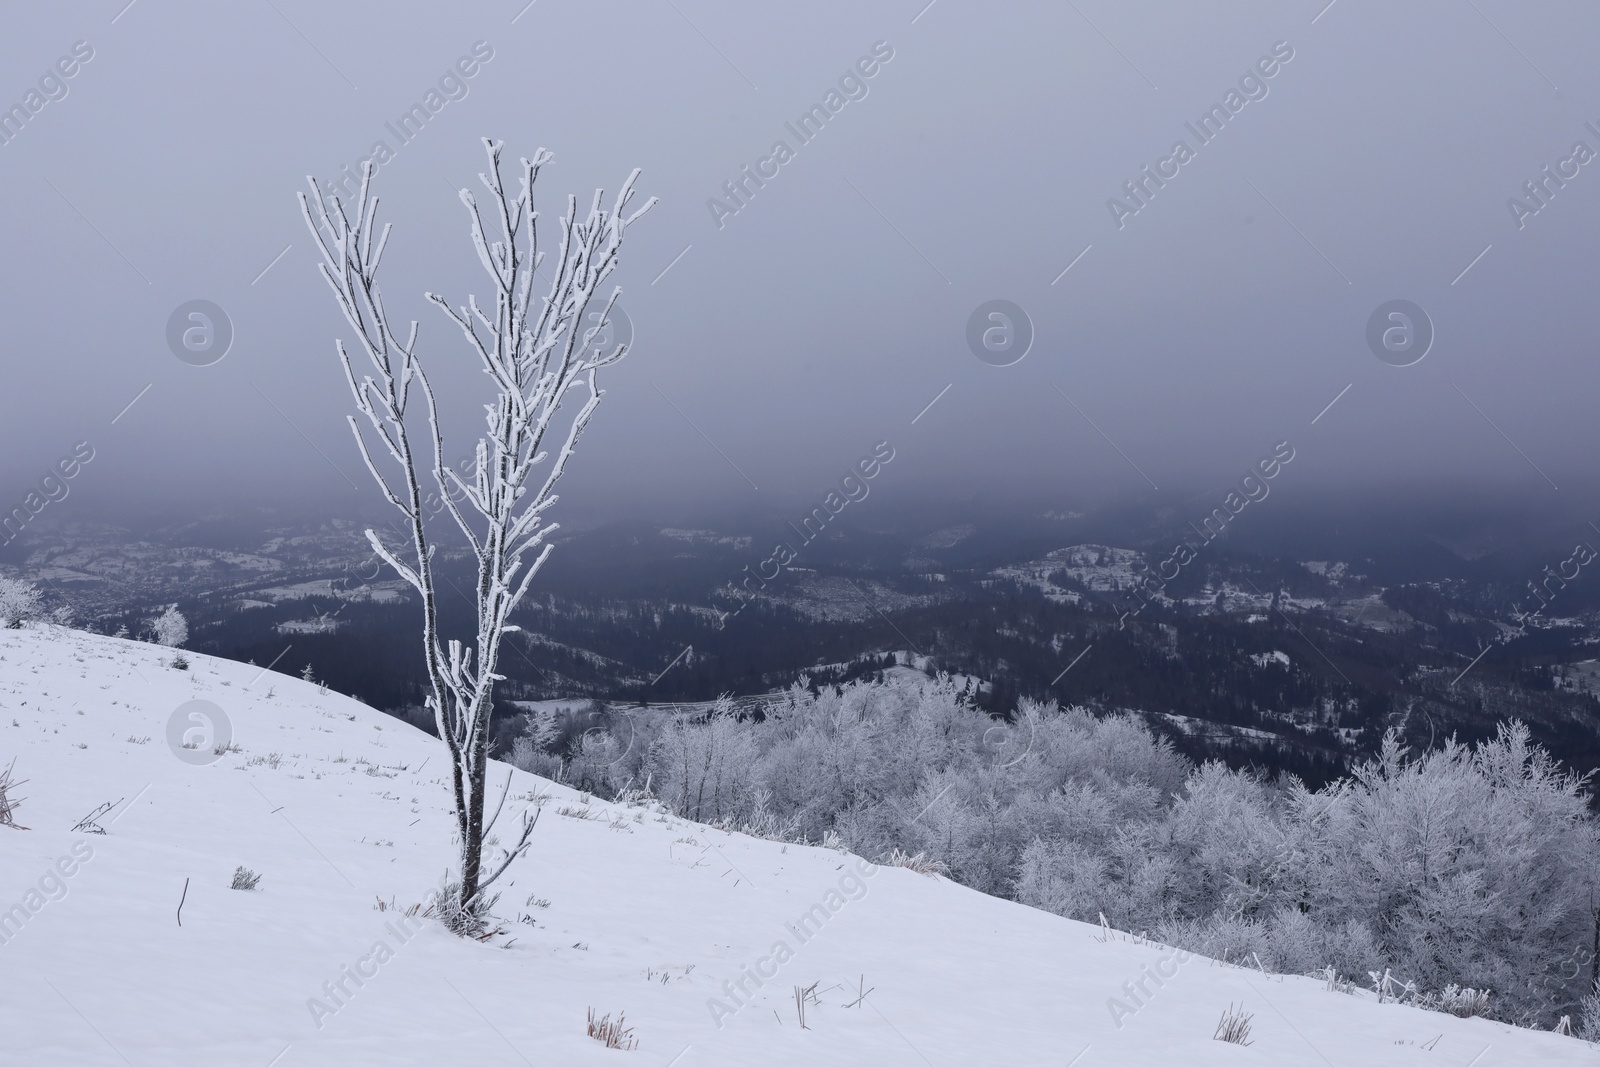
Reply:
x=617, y=907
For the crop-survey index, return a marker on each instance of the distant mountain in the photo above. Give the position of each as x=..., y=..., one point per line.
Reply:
x=1294, y=659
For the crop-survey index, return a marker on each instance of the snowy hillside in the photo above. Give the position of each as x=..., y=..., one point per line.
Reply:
x=617, y=908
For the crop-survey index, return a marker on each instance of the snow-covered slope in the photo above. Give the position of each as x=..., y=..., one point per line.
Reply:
x=339, y=806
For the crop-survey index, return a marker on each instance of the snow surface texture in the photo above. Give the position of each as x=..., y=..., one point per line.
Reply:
x=336, y=805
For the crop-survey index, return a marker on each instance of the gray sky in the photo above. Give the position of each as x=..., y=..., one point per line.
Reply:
x=832, y=307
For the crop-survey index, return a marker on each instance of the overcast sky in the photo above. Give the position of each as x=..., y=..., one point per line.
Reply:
x=776, y=343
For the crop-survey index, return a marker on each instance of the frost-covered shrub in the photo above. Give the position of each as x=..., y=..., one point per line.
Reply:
x=171, y=628
x=1288, y=941
x=1466, y=866
x=1463, y=1002
x=706, y=771
x=19, y=602
x=1469, y=865
x=530, y=750
x=602, y=762
x=595, y=748
x=474, y=919
x=1589, y=1017
x=1300, y=944
x=1065, y=878
x=918, y=862
x=525, y=755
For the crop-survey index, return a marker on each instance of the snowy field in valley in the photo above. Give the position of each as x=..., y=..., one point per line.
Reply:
x=617, y=908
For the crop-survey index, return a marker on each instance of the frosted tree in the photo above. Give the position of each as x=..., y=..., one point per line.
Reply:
x=171, y=628
x=19, y=601
x=538, y=356
x=530, y=750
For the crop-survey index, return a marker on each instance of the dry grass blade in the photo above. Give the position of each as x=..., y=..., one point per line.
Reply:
x=612, y=1034
x=804, y=995
x=8, y=806
x=1234, y=1026
x=90, y=823
x=918, y=862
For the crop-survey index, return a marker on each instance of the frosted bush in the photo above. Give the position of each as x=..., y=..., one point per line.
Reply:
x=1467, y=865
x=525, y=756
x=1066, y=879
x=171, y=628
x=1463, y=1002
x=19, y=602
x=1589, y=1017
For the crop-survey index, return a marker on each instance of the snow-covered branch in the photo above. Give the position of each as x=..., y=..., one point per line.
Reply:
x=535, y=355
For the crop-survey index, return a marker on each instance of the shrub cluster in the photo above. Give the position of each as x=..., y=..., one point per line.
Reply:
x=1466, y=866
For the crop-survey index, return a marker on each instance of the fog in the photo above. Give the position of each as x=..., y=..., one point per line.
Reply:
x=1182, y=328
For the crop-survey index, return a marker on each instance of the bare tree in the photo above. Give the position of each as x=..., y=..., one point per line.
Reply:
x=536, y=353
